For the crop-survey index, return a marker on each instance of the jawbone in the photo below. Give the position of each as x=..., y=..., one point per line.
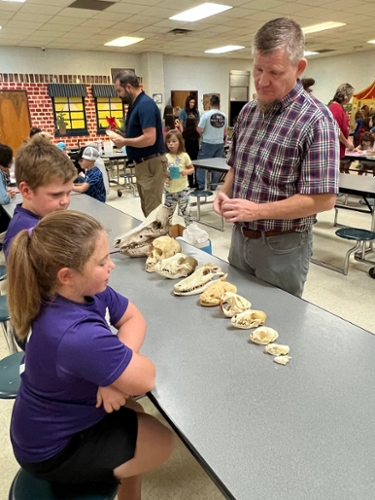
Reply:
x=137, y=241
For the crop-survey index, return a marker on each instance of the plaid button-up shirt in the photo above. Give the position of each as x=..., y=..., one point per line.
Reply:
x=293, y=149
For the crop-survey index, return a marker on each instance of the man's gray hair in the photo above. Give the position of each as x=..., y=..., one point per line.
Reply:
x=281, y=33
x=126, y=77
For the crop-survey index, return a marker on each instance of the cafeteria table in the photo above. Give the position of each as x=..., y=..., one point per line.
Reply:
x=260, y=430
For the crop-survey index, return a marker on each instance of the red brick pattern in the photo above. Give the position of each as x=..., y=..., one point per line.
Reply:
x=40, y=104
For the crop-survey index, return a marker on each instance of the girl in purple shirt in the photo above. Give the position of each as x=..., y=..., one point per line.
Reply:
x=70, y=423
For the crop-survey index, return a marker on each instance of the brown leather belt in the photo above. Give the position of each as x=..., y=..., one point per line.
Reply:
x=250, y=233
x=145, y=158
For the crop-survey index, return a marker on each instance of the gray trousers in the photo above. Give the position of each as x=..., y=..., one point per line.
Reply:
x=280, y=260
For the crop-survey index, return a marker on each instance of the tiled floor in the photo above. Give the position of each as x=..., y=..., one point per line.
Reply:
x=346, y=296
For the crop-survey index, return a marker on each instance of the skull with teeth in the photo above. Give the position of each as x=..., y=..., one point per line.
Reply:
x=198, y=281
x=136, y=243
x=249, y=319
x=232, y=304
x=177, y=266
x=161, y=248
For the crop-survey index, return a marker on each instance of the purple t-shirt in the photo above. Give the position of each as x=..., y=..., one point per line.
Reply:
x=22, y=219
x=70, y=353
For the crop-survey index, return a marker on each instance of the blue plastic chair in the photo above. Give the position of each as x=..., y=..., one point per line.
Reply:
x=27, y=487
x=6, y=326
x=358, y=235
x=10, y=375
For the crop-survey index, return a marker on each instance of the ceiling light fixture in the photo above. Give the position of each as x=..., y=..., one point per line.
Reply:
x=200, y=12
x=321, y=27
x=370, y=41
x=310, y=53
x=14, y=1
x=124, y=41
x=226, y=48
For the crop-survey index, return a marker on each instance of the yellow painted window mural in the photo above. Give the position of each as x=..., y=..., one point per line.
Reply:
x=111, y=107
x=71, y=109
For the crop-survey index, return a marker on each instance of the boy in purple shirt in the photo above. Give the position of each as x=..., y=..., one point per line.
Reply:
x=74, y=363
x=44, y=177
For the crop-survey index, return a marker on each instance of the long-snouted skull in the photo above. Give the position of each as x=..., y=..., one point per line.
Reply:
x=161, y=248
x=232, y=304
x=178, y=266
x=249, y=319
x=137, y=241
x=212, y=295
x=198, y=281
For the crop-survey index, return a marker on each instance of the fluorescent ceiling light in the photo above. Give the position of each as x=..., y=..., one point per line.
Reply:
x=200, y=12
x=15, y=1
x=309, y=53
x=226, y=48
x=321, y=27
x=124, y=41
x=371, y=41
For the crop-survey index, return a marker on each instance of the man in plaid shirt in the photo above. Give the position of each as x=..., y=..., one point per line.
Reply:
x=285, y=164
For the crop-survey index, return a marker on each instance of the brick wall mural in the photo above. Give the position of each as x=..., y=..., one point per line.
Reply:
x=41, y=106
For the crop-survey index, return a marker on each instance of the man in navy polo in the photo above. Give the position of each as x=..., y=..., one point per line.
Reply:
x=144, y=140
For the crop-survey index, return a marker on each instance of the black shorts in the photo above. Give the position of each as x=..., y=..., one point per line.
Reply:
x=92, y=454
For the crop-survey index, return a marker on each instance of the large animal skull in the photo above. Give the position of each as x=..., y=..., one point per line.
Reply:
x=249, y=319
x=161, y=248
x=136, y=243
x=212, y=295
x=198, y=281
x=232, y=304
x=178, y=266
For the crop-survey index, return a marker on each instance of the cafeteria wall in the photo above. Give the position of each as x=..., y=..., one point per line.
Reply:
x=161, y=74
x=329, y=72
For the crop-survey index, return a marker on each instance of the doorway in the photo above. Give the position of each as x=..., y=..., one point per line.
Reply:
x=15, y=120
x=178, y=97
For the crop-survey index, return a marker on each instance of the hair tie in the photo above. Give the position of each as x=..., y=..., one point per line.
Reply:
x=30, y=231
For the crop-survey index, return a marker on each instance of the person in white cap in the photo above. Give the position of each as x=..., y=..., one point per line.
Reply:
x=92, y=184
x=100, y=164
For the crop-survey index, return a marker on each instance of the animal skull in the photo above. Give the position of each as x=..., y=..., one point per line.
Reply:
x=232, y=304
x=161, y=248
x=282, y=360
x=198, y=281
x=212, y=295
x=264, y=335
x=177, y=266
x=136, y=243
x=249, y=319
x=277, y=349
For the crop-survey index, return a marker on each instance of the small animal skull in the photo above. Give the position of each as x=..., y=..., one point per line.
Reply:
x=212, y=295
x=264, y=335
x=161, y=248
x=177, y=266
x=232, y=304
x=282, y=360
x=249, y=319
x=277, y=349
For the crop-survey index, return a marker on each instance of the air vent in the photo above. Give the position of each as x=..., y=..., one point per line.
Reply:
x=179, y=31
x=90, y=5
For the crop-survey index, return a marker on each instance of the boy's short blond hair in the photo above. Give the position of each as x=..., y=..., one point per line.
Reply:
x=38, y=163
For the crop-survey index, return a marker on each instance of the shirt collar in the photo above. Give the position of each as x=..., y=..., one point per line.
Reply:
x=136, y=100
x=293, y=95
